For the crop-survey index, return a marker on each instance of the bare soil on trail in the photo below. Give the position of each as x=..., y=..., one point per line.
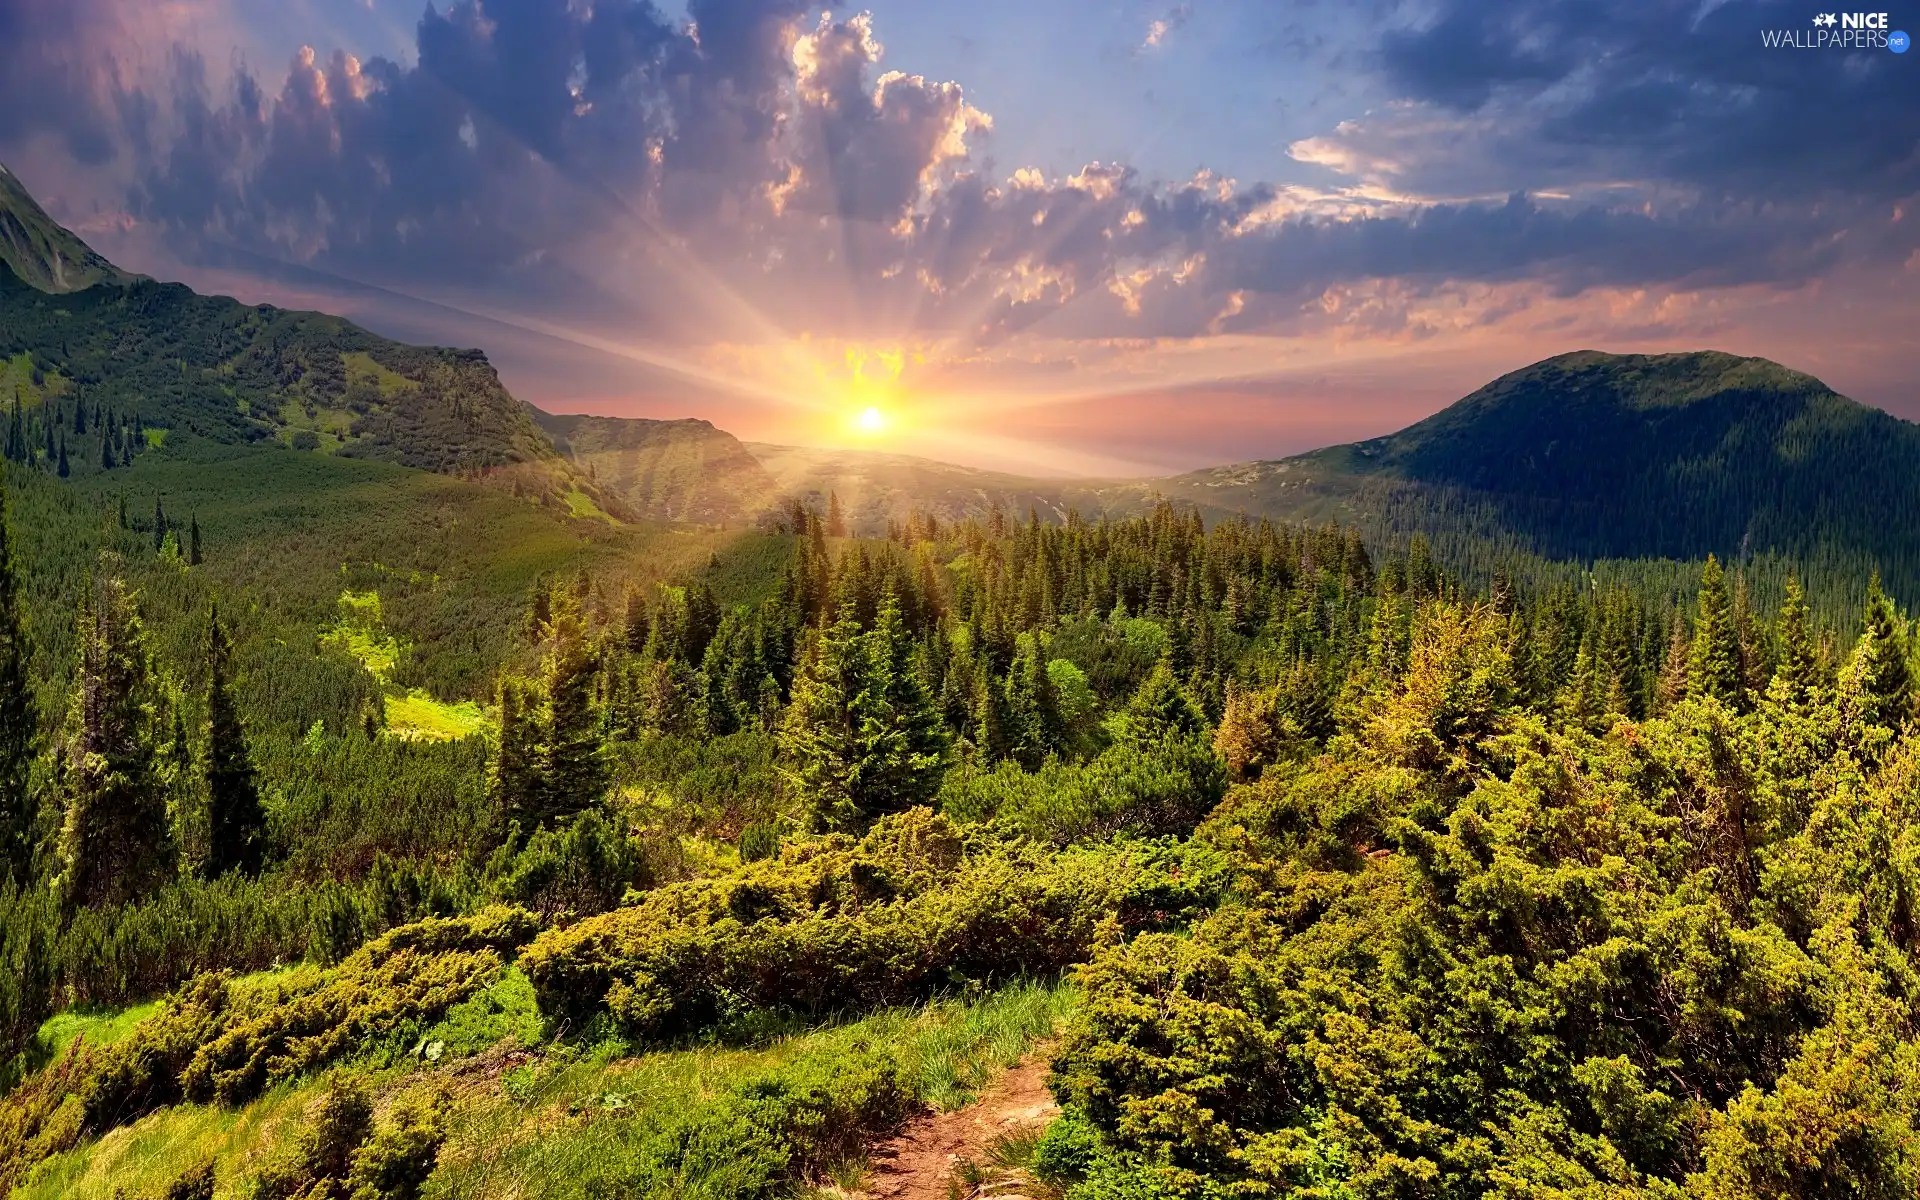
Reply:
x=923, y=1162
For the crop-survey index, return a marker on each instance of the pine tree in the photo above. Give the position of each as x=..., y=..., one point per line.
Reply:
x=106, y=454
x=836, y=519
x=236, y=822
x=116, y=844
x=861, y=736
x=79, y=418
x=1877, y=685
x=63, y=467
x=573, y=766
x=513, y=777
x=1161, y=710
x=1796, y=681
x=46, y=427
x=1714, y=667
x=16, y=432
x=19, y=723
x=1035, y=727
x=193, y=540
x=159, y=523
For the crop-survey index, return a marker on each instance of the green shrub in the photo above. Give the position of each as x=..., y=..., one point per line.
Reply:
x=195, y=1183
x=394, y=1164
x=835, y=925
x=316, y=1166
x=225, y=1040
x=1166, y=788
x=580, y=870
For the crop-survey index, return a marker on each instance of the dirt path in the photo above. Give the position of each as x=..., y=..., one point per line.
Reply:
x=921, y=1163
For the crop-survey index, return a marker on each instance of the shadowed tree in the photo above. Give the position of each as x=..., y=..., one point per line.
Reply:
x=236, y=822
x=18, y=720
x=116, y=844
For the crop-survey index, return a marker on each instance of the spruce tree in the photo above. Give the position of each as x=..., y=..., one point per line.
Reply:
x=193, y=540
x=159, y=523
x=573, y=768
x=820, y=739
x=513, y=775
x=1159, y=711
x=19, y=723
x=1877, y=685
x=1035, y=727
x=861, y=735
x=1796, y=678
x=236, y=822
x=836, y=519
x=116, y=844
x=16, y=432
x=1714, y=666
x=62, y=466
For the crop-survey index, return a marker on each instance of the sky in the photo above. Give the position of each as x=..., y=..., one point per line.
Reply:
x=1086, y=237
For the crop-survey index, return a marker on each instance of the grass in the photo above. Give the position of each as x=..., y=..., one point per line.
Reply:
x=548, y=1133
x=100, y=1026
x=548, y=1128
x=418, y=717
x=581, y=505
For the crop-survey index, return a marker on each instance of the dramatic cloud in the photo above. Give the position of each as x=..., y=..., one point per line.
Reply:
x=762, y=171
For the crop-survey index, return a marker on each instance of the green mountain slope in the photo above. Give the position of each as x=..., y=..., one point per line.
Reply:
x=40, y=251
x=1591, y=456
x=874, y=487
x=666, y=470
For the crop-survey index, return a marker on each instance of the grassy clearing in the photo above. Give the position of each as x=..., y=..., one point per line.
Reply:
x=100, y=1026
x=418, y=717
x=550, y=1131
x=581, y=505
x=555, y=1123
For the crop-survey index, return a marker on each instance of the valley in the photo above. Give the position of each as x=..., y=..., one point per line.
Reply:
x=406, y=793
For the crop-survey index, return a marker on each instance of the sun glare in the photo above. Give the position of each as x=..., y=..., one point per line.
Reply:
x=871, y=420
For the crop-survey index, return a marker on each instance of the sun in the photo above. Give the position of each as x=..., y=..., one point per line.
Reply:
x=871, y=420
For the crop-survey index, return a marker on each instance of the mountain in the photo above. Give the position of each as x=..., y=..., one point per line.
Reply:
x=160, y=357
x=875, y=487
x=37, y=249
x=682, y=470
x=1589, y=456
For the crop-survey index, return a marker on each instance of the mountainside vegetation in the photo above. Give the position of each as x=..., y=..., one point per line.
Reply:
x=391, y=810
x=1336, y=877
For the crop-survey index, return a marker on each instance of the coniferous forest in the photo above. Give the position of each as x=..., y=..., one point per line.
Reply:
x=1309, y=869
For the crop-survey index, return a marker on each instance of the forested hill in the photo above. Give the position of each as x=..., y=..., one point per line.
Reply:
x=77, y=333
x=684, y=470
x=1591, y=456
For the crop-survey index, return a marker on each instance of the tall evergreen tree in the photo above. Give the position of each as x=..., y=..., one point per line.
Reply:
x=861, y=737
x=1796, y=677
x=1161, y=710
x=836, y=518
x=116, y=844
x=19, y=722
x=1877, y=685
x=513, y=774
x=1036, y=729
x=159, y=523
x=573, y=766
x=1714, y=667
x=193, y=540
x=62, y=466
x=236, y=822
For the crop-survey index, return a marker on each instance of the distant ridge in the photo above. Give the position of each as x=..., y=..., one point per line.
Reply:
x=42, y=252
x=679, y=470
x=1590, y=455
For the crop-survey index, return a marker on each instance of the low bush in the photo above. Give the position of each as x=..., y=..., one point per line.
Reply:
x=835, y=925
x=226, y=1040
